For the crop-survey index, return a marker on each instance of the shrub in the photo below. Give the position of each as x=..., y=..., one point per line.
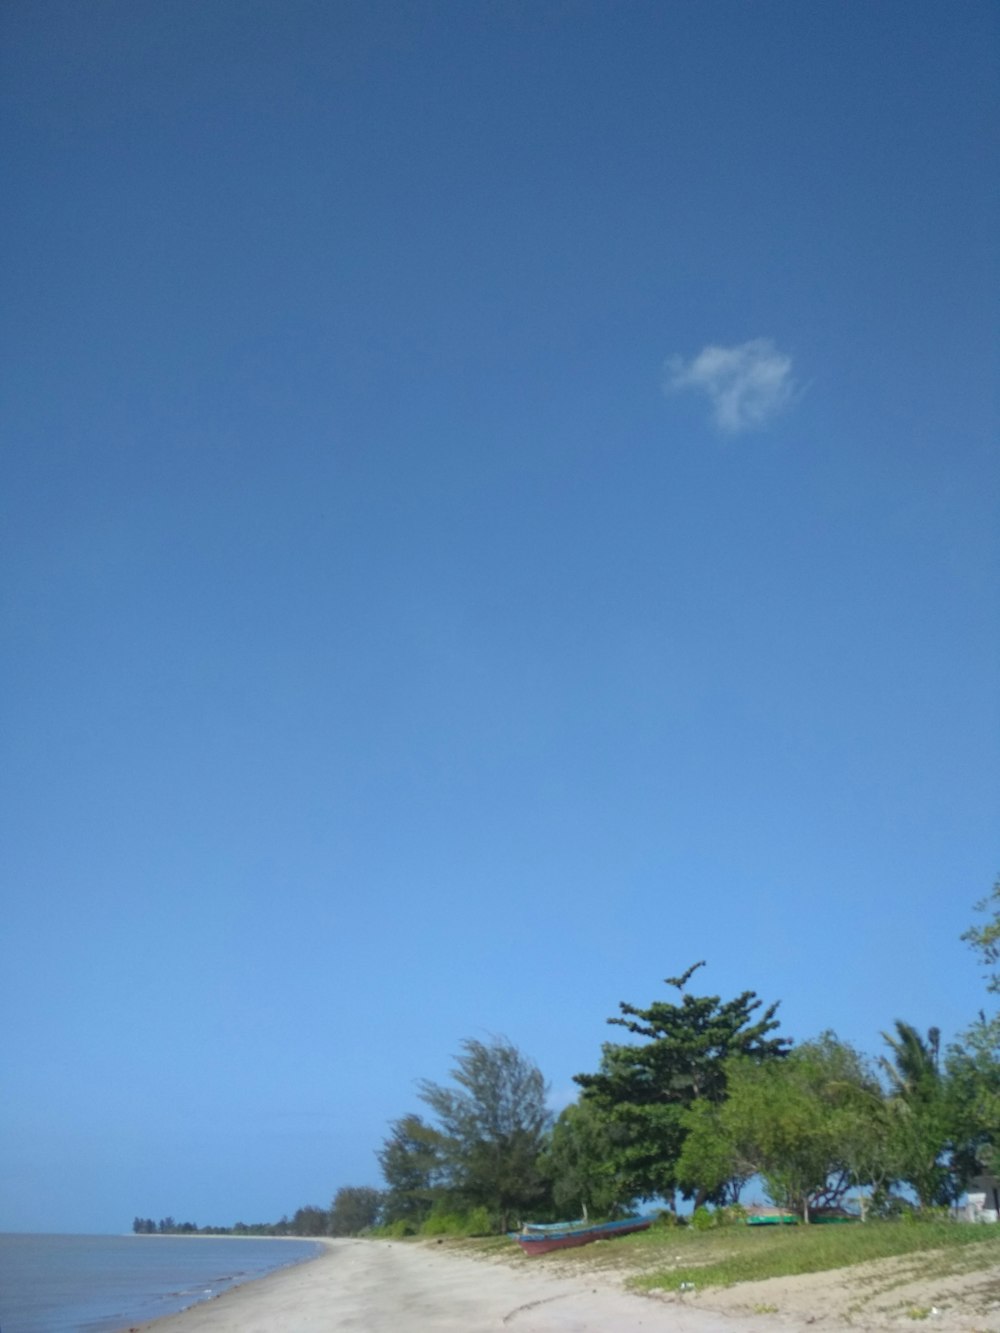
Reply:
x=479, y=1223
x=443, y=1224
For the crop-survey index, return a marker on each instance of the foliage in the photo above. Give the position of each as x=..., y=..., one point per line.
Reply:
x=711, y=1164
x=355, y=1208
x=645, y=1089
x=579, y=1164
x=145, y=1226
x=412, y=1162
x=492, y=1124
x=927, y=1139
x=310, y=1221
x=974, y=1073
x=444, y=1221
x=985, y=939
x=974, y=1062
x=811, y=1125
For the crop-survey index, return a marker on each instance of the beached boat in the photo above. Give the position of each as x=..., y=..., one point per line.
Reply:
x=539, y=1238
x=547, y=1228
x=760, y=1215
x=819, y=1217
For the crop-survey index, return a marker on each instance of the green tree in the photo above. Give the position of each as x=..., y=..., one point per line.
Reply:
x=926, y=1118
x=355, y=1208
x=412, y=1159
x=985, y=939
x=711, y=1165
x=973, y=1063
x=579, y=1163
x=645, y=1089
x=493, y=1123
x=811, y=1125
x=913, y=1068
x=310, y=1221
x=974, y=1076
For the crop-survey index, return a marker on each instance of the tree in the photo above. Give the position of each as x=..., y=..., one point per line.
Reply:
x=926, y=1132
x=355, y=1208
x=579, y=1163
x=913, y=1069
x=646, y=1089
x=713, y=1164
x=973, y=1067
x=412, y=1159
x=985, y=939
x=310, y=1221
x=493, y=1125
x=973, y=1063
x=811, y=1125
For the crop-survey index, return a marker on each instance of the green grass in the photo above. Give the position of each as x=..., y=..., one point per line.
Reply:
x=744, y=1254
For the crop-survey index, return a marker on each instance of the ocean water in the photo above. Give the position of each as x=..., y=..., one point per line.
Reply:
x=100, y=1284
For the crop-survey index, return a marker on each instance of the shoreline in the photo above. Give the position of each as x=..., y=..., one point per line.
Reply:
x=252, y=1285
x=384, y=1286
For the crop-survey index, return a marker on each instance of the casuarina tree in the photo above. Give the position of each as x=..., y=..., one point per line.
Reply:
x=493, y=1124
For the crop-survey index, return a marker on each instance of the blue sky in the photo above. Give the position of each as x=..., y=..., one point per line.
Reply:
x=500, y=502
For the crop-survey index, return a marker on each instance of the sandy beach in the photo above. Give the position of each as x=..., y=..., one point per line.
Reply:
x=387, y=1287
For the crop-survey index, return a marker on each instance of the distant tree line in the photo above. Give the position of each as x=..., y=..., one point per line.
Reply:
x=703, y=1097
x=355, y=1209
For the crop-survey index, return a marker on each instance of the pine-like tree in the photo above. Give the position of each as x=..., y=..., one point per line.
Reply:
x=645, y=1088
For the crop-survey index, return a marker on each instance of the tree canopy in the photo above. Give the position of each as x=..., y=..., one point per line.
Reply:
x=809, y=1125
x=645, y=1088
x=985, y=939
x=580, y=1164
x=485, y=1149
x=355, y=1208
x=412, y=1162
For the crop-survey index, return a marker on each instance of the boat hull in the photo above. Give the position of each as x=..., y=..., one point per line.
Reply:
x=579, y=1234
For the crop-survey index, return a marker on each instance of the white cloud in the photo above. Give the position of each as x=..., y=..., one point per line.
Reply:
x=747, y=385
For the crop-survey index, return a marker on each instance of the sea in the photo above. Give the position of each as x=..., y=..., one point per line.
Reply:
x=102, y=1284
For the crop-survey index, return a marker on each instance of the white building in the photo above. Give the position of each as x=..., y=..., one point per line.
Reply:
x=983, y=1199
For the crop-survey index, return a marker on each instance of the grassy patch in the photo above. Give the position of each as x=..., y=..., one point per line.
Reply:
x=749, y=1255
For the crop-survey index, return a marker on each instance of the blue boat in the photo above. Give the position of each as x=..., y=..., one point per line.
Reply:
x=540, y=1238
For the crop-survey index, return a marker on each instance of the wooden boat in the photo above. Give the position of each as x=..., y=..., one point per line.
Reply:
x=547, y=1228
x=761, y=1216
x=537, y=1238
